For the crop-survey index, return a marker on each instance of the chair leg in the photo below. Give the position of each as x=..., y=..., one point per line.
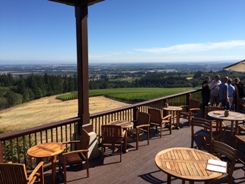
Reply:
x=170, y=127
x=121, y=153
x=87, y=164
x=224, y=133
x=137, y=141
x=148, y=135
x=64, y=169
x=161, y=131
x=192, y=141
x=169, y=179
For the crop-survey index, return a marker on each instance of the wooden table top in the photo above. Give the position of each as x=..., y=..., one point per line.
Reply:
x=46, y=149
x=186, y=163
x=123, y=123
x=241, y=138
x=233, y=116
x=172, y=108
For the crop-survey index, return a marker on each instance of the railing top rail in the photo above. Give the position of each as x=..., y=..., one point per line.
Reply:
x=76, y=119
x=38, y=128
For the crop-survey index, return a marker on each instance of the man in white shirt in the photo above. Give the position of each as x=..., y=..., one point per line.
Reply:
x=214, y=91
x=231, y=91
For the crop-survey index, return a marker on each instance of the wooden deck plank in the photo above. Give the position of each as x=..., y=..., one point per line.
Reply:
x=137, y=166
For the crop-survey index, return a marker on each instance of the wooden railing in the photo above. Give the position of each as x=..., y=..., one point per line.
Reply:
x=14, y=145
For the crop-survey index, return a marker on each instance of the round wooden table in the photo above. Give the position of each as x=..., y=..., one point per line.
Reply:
x=123, y=123
x=186, y=163
x=233, y=117
x=45, y=150
x=175, y=112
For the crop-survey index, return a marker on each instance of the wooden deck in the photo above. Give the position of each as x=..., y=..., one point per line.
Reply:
x=137, y=166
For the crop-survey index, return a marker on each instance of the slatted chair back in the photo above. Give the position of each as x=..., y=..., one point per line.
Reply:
x=15, y=173
x=157, y=119
x=142, y=118
x=111, y=134
x=205, y=132
x=192, y=109
x=84, y=139
x=201, y=122
x=222, y=149
x=156, y=116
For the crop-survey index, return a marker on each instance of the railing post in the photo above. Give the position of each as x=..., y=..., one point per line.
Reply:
x=1, y=152
x=135, y=113
x=188, y=96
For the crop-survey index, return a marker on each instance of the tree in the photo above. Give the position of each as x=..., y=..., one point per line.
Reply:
x=13, y=98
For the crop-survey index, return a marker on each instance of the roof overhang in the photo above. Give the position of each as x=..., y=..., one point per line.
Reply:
x=238, y=66
x=77, y=2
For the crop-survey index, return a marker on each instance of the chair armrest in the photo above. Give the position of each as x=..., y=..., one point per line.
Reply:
x=35, y=171
x=143, y=125
x=183, y=106
x=70, y=142
x=194, y=109
x=75, y=151
x=166, y=117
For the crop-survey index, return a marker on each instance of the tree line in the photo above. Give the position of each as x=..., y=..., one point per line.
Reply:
x=17, y=90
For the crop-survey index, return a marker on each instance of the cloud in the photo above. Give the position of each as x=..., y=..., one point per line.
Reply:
x=195, y=47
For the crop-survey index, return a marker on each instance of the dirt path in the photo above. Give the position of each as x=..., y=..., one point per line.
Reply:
x=49, y=109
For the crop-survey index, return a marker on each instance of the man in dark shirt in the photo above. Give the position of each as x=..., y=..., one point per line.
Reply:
x=205, y=92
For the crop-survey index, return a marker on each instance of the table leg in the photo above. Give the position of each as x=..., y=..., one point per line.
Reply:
x=53, y=169
x=169, y=179
x=235, y=133
x=232, y=129
x=177, y=119
x=125, y=142
x=219, y=129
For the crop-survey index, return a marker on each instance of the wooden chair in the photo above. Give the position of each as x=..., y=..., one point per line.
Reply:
x=204, y=133
x=142, y=125
x=228, y=154
x=192, y=109
x=214, y=123
x=16, y=173
x=76, y=153
x=157, y=120
x=112, y=137
x=239, y=144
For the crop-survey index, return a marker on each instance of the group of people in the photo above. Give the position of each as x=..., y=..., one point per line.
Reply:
x=221, y=93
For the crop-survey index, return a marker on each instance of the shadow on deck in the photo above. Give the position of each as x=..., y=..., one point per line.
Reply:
x=137, y=166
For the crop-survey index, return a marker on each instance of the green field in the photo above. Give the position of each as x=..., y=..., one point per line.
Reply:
x=129, y=95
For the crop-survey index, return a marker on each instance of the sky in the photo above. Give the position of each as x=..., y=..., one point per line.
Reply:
x=41, y=31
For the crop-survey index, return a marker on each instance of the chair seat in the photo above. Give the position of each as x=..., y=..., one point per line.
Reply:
x=133, y=131
x=205, y=133
x=222, y=179
x=242, y=128
x=72, y=158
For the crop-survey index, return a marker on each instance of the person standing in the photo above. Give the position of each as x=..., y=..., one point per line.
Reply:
x=223, y=93
x=231, y=91
x=239, y=88
x=214, y=91
x=239, y=94
x=205, y=92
